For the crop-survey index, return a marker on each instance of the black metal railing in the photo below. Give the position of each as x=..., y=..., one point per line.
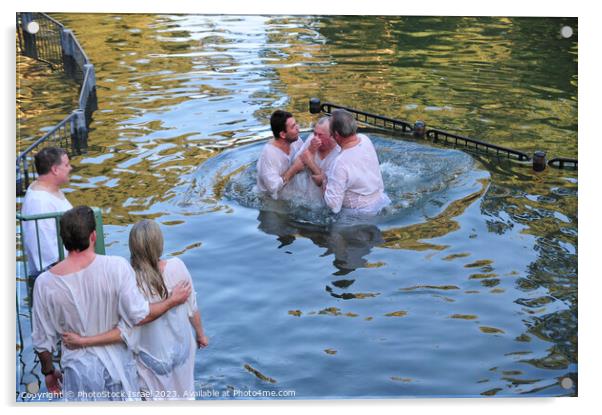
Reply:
x=45, y=44
x=369, y=118
x=476, y=145
x=436, y=135
x=562, y=162
x=52, y=43
x=70, y=134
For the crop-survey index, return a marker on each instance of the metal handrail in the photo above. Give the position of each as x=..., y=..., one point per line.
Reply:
x=45, y=136
x=562, y=161
x=56, y=22
x=369, y=118
x=75, y=62
x=99, y=247
x=434, y=134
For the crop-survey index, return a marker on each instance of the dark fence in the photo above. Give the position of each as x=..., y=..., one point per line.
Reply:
x=57, y=46
x=71, y=134
x=436, y=135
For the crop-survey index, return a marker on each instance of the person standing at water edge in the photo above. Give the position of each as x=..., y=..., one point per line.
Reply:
x=164, y=349
x=45, y=196
x=354, y=183
x=275, y=166
x=89, y=294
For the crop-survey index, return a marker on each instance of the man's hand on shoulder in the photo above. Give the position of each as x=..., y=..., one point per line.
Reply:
x=180, y=293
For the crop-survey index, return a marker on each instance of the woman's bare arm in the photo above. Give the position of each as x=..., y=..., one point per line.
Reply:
x=201, y=339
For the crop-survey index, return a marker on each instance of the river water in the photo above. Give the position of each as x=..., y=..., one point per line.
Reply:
x=468, y=289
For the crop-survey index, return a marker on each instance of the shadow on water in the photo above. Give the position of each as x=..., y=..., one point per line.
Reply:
x=348, y=244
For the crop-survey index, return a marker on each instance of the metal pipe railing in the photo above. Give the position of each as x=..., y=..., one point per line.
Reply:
x=437, y=135
x=99, y=248
x=58, y=46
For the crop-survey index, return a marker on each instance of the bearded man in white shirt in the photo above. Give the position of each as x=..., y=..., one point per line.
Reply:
x=277, y=164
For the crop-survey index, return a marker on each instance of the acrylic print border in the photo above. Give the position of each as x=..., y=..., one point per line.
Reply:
x=580, y=27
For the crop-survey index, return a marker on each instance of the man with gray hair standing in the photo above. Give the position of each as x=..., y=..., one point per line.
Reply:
x=354, y=184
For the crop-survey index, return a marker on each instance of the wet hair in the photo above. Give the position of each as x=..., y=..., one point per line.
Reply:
x=146, y=248
x=278, y=122
x=343, y=123
x=323, y=120
x=48, y=157
x=77, y=225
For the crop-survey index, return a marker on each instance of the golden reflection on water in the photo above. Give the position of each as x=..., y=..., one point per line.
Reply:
x=147, y=66
x=44, y=98
x=411, y=237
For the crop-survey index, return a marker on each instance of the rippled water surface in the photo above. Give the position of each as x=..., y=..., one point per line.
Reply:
x=469, y=288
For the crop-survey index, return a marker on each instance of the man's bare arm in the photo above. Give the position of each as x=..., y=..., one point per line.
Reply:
x=51, y=374
x=179, y=295
x=296, y=167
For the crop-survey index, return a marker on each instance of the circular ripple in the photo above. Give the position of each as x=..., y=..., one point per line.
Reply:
x=420, y=180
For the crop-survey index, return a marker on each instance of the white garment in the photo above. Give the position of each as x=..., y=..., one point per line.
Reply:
x=165, y=348
x=302, y=187
x=355, y=181
x=272, y=164
x=37, y=202
x=90, y=302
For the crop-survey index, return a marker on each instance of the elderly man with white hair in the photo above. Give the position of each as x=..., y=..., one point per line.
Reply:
x=318, y=155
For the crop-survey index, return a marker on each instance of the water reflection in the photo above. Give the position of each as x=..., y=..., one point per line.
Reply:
x=543, y=205
x=44, y=98
x=349, y=244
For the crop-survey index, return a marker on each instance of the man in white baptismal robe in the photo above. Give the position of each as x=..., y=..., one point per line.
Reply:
x=277, y=165
x=354, y=183
x=318, y=154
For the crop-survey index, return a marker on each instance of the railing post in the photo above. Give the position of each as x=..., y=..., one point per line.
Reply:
x=68, y=54
x=539, y=161
x=100, y=239
x=79, y=132
x=91, y=99
x=59, y=240
x=314, y=105
x=20, y=191
x=25, y=173
x=29, y=39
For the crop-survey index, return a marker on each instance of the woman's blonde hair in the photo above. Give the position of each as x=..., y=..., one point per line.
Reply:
x=146, y=248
